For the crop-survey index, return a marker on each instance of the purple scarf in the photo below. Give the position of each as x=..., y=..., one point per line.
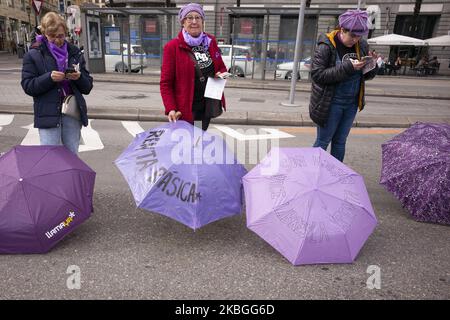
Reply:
x=61, y=56
x=202, y=39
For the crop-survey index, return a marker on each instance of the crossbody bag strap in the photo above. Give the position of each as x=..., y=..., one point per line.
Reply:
x=197, y=67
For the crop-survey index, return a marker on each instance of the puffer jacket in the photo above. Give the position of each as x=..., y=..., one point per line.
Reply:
x=38, y=65
x=325, y=75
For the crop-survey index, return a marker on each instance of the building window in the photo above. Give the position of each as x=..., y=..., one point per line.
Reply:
x=422, y=27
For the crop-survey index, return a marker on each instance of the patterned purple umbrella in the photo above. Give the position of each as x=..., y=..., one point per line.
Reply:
x=308, y=206
x=416, y=169
x=181, y=172
x=45, y=193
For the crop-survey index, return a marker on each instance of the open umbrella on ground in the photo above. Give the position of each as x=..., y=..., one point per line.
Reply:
x=181, y=172
x=308, y=206
x=416, y=169
x=45, y=193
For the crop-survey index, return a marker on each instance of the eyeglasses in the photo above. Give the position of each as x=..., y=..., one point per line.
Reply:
x=58, y=36
x=191, y=18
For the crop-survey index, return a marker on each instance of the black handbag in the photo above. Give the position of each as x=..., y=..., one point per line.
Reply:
x=213, y=107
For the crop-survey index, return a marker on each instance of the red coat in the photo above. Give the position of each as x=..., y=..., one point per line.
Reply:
x=178, y=75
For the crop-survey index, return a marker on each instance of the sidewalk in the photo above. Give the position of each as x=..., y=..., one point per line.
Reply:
x=382, y=86
x=248, y=113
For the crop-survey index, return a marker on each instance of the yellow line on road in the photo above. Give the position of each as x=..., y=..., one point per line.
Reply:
x=353, y=131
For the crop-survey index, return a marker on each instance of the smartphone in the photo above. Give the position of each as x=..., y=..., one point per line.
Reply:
x=224, y=75
x=70, y=70
x=366, y=58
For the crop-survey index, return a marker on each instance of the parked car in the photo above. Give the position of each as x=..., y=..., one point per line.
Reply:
x=284, y=70
x=113, y=62
x=242, y=59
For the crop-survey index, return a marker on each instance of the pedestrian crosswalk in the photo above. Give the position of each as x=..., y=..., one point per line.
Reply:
x=92, y=140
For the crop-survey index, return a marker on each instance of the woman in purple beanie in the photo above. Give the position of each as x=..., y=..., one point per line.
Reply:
x=52, y=70
x=188, y=61
x=338, y=74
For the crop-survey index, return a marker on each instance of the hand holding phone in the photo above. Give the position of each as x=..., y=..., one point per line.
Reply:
x=224, y=75
x=70, y=70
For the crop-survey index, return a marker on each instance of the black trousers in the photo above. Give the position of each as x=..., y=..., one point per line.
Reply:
x=198, y=111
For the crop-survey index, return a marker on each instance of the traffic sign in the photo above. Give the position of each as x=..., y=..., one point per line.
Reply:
x=37, y=6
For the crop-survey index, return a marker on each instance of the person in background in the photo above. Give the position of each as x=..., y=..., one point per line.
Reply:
x=44, y=78
x=182, y=88
x=338, y=83
x=381, y=65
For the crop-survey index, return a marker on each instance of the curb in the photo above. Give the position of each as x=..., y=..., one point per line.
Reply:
x=296, y=119
x=278, y=87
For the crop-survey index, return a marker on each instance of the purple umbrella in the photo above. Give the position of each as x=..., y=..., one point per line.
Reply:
x=181, y=172
x=308, y=206
x=416, y=169
x=45, y=193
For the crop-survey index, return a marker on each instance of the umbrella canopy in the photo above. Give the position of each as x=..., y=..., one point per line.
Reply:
x=311, y=208
x=181, y=172
x=395, y=40
x=442, y=41
x=45, y=193
x=416, y=169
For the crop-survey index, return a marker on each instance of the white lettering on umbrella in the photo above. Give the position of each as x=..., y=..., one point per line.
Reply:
x=270, y=134
x=91, y=139
x=32, y=137
x=5, y=119
x=132, y=127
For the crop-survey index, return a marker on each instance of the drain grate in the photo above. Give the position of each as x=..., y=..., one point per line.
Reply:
x=133, y=97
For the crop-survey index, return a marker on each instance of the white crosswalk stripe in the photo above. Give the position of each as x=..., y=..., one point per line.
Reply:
x=91, y=138
x=32, y=137
x=132, y=127
x=5, y=119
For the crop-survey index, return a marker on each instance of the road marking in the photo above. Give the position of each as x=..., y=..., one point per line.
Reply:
x=91, y=139
x=32, y=137
x=132, y=127
x=271, y=134
x=5, y=119
x=352, y=131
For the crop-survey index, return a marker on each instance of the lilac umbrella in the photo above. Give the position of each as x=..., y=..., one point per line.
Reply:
x=181, y=172
x=308, y=206
x=416, y=169
x=45, y=193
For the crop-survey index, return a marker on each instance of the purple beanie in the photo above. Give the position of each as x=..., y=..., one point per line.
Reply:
x=189, y=8
x=355, y=21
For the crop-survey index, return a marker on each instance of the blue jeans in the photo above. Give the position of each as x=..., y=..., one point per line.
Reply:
x=67, y=133
x=336, y=130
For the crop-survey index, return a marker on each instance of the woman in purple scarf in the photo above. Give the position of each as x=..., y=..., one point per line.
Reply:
x=52, y=70
x=188, y=61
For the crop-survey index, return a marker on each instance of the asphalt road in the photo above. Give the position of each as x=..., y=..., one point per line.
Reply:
x=127, y=253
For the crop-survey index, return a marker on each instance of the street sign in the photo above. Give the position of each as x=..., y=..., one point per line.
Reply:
x=37, y=6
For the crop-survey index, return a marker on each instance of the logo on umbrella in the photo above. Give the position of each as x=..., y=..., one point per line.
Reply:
x=61, y=226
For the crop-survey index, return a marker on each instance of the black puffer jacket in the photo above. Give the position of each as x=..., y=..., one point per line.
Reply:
x=325, y=75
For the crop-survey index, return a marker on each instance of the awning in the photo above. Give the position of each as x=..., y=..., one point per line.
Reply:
x=395, y=40
x=442, y=41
